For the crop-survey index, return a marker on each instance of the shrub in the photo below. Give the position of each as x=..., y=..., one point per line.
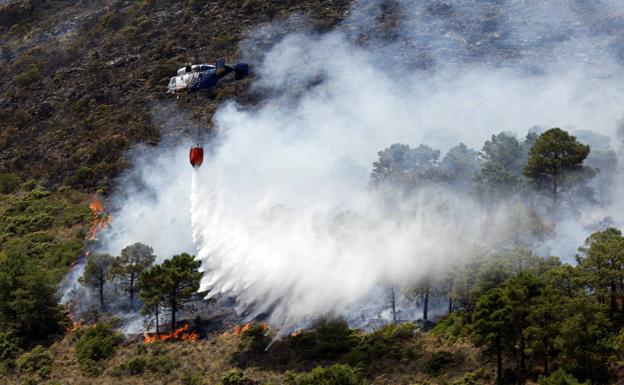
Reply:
x=32, y=75
x=83, y=177
x=190, y=378
x=435, y=363
x=37, y=361
x=135, y=366
x=40, y=221
x=38, y=193
x=451, y=327
x=387, y=342
x=473, y=378
x=560, y=377
x=156, y=361
x=62, y=254
x=16, y=224
x=235, y=377
x=333, y=375
x=289, y=378
x=8, y=183
x=95, y=345
x=22, y=224
x=329, y=339
x=160, y=363
x=9, y=349
x=254, y=340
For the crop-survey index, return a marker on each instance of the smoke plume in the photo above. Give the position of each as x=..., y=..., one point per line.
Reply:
x=281, y=212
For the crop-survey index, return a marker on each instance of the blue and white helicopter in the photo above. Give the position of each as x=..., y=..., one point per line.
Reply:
x=197, y=77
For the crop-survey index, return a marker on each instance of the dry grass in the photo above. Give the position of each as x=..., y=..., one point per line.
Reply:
x=208, y=359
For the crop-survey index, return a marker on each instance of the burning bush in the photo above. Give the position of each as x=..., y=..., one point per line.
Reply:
x=254, y=338
x=96, y=344
x=180, y=334
x=253, y=342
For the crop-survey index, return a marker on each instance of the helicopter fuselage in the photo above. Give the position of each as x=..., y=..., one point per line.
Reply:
x=197, y=77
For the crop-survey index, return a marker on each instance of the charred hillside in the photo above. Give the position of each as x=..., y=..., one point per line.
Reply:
x=81, y=79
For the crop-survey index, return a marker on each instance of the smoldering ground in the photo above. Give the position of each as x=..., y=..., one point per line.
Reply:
x=281, y=213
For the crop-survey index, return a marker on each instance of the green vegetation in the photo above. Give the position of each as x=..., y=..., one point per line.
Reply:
x=387, y=342
x=555, y=163
x=28, y=299
x=95, y=345
x=9, y=350
x=561, y=378
x=128, y=267
x=333, y=375
x=170, y=285
x=97, y=273
x=37, y=361
x=254, y=340
x=152, y=360
x=327, y=339
x=8, y=183
x=235, y=377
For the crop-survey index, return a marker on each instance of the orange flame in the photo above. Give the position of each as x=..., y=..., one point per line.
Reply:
x=101, y=219
x=73, y=327
x=78, y=325
x=179, y=334
x=239, y=330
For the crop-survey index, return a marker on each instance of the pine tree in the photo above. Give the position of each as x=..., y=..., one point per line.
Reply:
x=602, y=261
x=170, y=285
x=492, y=325
x=96, y=274
x=556, y=163
x=128, y=267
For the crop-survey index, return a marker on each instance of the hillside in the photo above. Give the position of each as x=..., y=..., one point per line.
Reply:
x=83, y=81
x=400, y=358
x=404, y=192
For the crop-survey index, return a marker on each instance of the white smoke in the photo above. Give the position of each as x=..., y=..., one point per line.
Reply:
x=153, y=206
x=281, y=215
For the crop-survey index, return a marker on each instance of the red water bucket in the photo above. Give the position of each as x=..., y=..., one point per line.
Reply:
x=196, y=156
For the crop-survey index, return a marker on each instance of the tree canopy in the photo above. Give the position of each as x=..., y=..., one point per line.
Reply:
x=555, y=163
x=171, y=284
x=128, y=267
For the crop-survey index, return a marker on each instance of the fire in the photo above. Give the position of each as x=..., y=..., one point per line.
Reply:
x=78, y=325
x=180, y=334
x=73, y=327
x=239, y=330
x=101, y=219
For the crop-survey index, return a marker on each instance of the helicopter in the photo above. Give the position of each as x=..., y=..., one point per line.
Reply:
x=196, y=77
